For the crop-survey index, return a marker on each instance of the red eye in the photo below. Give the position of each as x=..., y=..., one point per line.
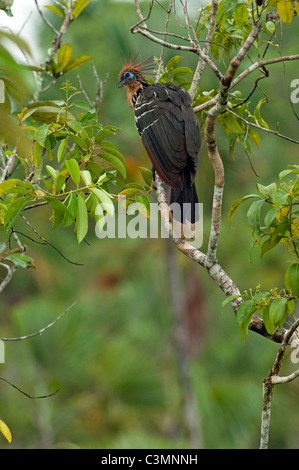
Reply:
x=127, y=74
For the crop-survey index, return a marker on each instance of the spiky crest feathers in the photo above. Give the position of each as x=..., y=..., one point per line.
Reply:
x=137, y=69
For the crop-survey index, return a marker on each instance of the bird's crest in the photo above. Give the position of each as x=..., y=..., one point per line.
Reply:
x=137, y=69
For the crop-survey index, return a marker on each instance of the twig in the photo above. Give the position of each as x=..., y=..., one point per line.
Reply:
x=10, y=272
x=45, y=19
x=27, y=394
x=164, y=37
x=272, y=380
x=201, y=62
x=262, y=128
x=46, y=242
x=42, y=330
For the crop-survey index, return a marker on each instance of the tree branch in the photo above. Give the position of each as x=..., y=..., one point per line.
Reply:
x=261, y=127
x=201, y=62
x=42, y=330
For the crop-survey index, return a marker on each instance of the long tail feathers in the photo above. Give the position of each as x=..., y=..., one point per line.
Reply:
x=184, y=208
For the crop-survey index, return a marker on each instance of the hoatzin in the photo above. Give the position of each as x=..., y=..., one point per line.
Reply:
x=169, y=130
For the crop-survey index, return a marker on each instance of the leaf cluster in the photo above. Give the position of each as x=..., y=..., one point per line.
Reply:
x=274, y=219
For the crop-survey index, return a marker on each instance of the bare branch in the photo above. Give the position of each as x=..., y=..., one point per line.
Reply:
x=27, y=394
x=42, y=330
x=262, y=63
x=201, y=62
x=45, y=19
x=257, y=126
x=275, y=379
x=10, y=272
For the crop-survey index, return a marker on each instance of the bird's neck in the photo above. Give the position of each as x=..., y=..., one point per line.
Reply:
x=134, y=88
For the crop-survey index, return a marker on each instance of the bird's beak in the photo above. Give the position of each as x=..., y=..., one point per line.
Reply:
x=121, y=83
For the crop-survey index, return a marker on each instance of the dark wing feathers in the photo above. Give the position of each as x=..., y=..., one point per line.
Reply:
x=169, y=130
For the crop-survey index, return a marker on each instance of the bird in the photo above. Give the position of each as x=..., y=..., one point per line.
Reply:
x=168, y=127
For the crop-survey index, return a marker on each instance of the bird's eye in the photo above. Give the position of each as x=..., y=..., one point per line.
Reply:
x=127, y=74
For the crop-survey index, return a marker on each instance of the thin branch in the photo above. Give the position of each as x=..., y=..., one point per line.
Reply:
x=283, y=380
x=42, y=330
x=257, y=126
x=10, y=272
x=272, y=380
x=201, y=62
x=46, y=242
x=164, y=37
x=45, y=19
x=27, y=394
x=218, y=188
x=262, y=63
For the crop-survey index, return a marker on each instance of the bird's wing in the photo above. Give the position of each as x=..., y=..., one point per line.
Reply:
x=169, y=130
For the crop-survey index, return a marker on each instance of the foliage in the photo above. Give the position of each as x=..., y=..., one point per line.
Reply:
x=66, y=161
x=274, y=219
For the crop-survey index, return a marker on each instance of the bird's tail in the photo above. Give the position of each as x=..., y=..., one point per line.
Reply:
x=184, y=208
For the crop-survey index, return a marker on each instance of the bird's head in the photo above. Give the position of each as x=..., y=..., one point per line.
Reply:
x=126, y=78
x=130, y=73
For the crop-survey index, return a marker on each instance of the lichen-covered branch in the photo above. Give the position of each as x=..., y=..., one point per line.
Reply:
x=274, y=379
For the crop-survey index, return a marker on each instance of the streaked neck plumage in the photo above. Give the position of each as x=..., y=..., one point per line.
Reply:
x=133, y=90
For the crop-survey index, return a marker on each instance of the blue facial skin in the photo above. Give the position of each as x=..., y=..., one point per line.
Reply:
x=127, y=77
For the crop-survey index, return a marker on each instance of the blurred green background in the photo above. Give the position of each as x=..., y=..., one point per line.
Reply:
x=113, y=356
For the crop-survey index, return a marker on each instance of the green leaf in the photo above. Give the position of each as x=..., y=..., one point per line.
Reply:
x=75, y=63
x=55, y=10
x=19, y=260
x=241, y=15
x=37, y=153
x=4, y=429
x=286, y=11
x=105, y=132
x=104, y=200
x=244, y=314
x=86, y=177
x=61, y=149
x=236, y=204
x=291, y=279
x=267, y=191
x=279, y=199
x=9, y=185
x=255, y=137
x=64, y=55
x=111, y=148
x=278, y=312
x=83, y=105
x=259, y=296
x=147, y=175
x=51, y=114
x=59, y=210
x=143, y=205
x=257, y=114
x=79, y=7
x=72, y=206
x=52, y=172
x=290, y=307
x=81, y=219
x=270, y=243
x=14, y=210
x=269, y=325
x=116, y=162
x=254, y=215
x=42, y=133
x=270, y=216
x=232, y=297
x=74, y=170
x=173, y=61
